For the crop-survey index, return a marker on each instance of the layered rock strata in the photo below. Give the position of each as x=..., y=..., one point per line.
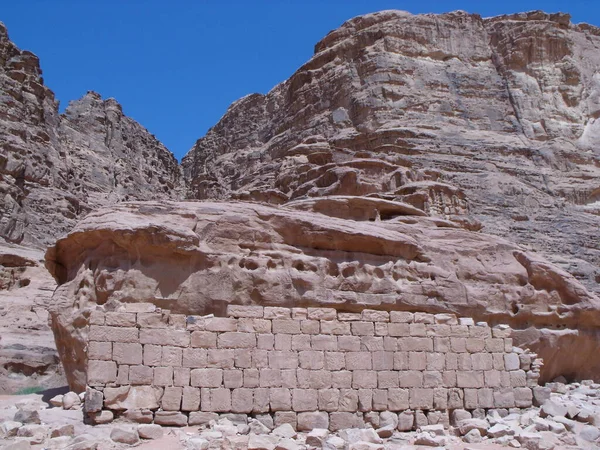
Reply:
x=317, y=363
x=196, y=258
x=491, y=120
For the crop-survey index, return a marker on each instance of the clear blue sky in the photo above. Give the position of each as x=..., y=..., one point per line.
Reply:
x=175, y=66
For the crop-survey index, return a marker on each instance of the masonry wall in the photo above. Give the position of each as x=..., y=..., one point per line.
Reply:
x=312, y=367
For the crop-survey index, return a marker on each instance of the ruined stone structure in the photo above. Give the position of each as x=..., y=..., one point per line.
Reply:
x=311, y=367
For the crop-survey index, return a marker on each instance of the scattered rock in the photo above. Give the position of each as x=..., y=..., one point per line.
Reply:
x=57, y=401
x=317, y=437
x=150, y=431
x=9, y=428
x=64, y=430
x=260, y=443
x=27, y=416
x=285, y=431
x=124, y=435
x=71, y=400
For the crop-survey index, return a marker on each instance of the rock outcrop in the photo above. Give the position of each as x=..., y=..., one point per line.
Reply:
x=55, y=168
x=454, y=114
x=196, y=258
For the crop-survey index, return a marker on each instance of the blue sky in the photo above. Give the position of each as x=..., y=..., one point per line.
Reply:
x=176, y=66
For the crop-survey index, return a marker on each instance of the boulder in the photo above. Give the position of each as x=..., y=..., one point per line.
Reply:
x=125, y=435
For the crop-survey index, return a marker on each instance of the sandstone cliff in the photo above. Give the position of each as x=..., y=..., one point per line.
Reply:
x=470, y=119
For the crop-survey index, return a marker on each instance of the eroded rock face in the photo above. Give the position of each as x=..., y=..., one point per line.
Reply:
x=454, y=114
x=195, y=258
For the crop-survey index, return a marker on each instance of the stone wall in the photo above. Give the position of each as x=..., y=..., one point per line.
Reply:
x=312, y=367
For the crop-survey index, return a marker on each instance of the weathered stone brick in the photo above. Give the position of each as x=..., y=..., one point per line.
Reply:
x=120, y=319
x=163, y=376
x=101, y=372
x=371, y=343
x=421, y=398
x=480, y=331
x=242, y=400
x=390, y=344
x=455, y=398
x=220, y=358
x=458, y=345
x=206, y=378
x=322, y=314
x=270, y=378
x=504, y=398
x=494, y=345
x=233, y=378
x=153, y=320
x=383, y=360
x=358, y=361
x=387, y=379
x=398, y=399
x=308, y=421
x=482, y=361
x=202, y=418
x=364, y=379
x=312, y=360
x=283, y=359
x=511, y=361
x=344, y=420
x=470, y=398
x=416, y=344
x=401, y=316
x=220, y=324
x=508, y=344
x=170, y=418
x=485, y=398
x=432, y=378
x=99, y=350
x=518, y=378
x=304, y=399
x=286, y=326
x=236, y=340
x=348, y=343
x=464, y=361
x=475, y=345
x=440, y=398
x=251, y=378
x=260, y=359
x=449, y=378
x=190, y=400
x=399, y=329
x=280, y=399
x=244, y=311
x=323, y=342
x=96, y=318
x=373, y=315
x=491, y=378
x=341, y=379
x=401, y=361
x=380, y=399
x=195, y=357
x=328, y=399
x=113, y=334
x=362, y=328
x=382, y=329
x=181, y=376
x=319, y=379
x=289, y=379
x=301, y=342
x=425, y=318
x=436, y=361
x=123, y=374
x=152, y=355
x=219, y=399
x=348, y=400
x=261, y=400
x=417, y=329
x=335, y=327
x=365, y=400
x=265, y=341
x=247, y=325
x=451, y=361
x=498, y=361
x=204, y=339
x=469, y=379
x=277, y=312
x=242, y=358
x=459, y=330
x=140, y=375
x=299, y=314
x=335, y=361
x=310, y=326
x=283, y=342
x=523, y=397
x=170, y=337
x=171, y=400
x=410, y=378
x=447, y=319
x=349, y=317
x=417, y=360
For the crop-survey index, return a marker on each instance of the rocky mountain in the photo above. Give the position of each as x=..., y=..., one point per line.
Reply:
x=492, y=123
x=54, y=169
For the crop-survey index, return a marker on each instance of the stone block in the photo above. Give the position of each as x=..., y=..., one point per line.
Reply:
x=171, y=400
x=280, y=399
x=470, y=398
x=233, y=378
x=300, y=342
x=206, y=378
x=265, y=341
x=204, y=339
x=123, y=374
x=435, y=361
x=390, y=344
x=312, y=360
x=335, y=327
x=310, y=326
x=494, y=345
x=242, y=358
x=523, y=397
x=163, y=376
x=286, y=326
x=401, y=316
x=373, y=315
x=335, y=361
x=485, y=398
x=181, y=376
x=120, y=319
x=328, y=399
x=236, y=340
x=304, y=400
x=481, y=330
x=251, y=378
x=504, y=398
x=283, y=359
x=289, y=379
x=417, y=329
x=380, y=399
x=401, y=361
x=341, y=379
x=113, y=334
x=406, y=421
x=416, y=344
x=396, y=329
x=458, y=344
x=382, y=329
x=138, y=415
x=285, y=417
x=141, y=375
x=371, y=343
x=498, y=361
x=261, y=400
x=299, y=314
x=194, y=357
x=171, y=356
x=447, y=319
x=344, y=420
x=512, y=362
x=323, y=342
x=170, y=337
x=364, y=379
x=96, y=318
x=245, y=311
x=101, y=351
x=410, y=379
x=152, y=320
x=491, y=378
x=475, y=345
x=152, y=355
x=398, y=399
x=432, y=378
x=469, y=379
x=451, y=361
x=365, y=400
x=459, y=330
x=93, y=400
x=216, y=400
x=190, y=400
x=132, y=397
x=362, y=328
x=417, y=360
x=202, y=418
x=440, y=398
x=449, y=378
x=482, y=361
x=348, y=343
x=277, y=312
x=455, y=398
x=518, y=378
x=420, y=398
x=220, y=324
x=464, y=361
x=358, y=361
x=220, y=358
x=387, y=379
x=308, y=421
x=348, y=400
x=283, y=342
x=270, y=378
x=170, y=418
x=322, y=314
